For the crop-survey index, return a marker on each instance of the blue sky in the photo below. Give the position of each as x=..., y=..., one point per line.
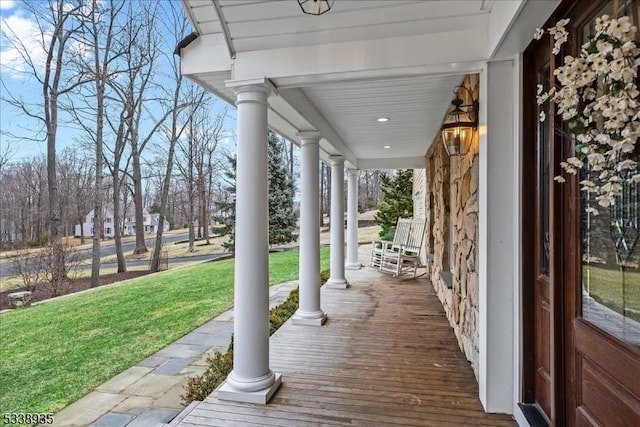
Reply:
x=10, y=67
x=14, y=19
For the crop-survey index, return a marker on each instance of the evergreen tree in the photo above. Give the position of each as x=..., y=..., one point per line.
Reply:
x=226, y=209
x=282, y=219
x=397, y=201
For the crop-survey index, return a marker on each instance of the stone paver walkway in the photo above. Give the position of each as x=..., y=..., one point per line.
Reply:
x=148, y=394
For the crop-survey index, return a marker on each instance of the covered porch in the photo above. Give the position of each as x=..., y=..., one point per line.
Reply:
x=386, y=356
x=367, y=86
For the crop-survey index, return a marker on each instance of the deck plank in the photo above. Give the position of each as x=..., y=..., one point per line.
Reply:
x=386, y=356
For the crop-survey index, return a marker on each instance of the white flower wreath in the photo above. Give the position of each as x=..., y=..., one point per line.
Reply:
x=597, y=96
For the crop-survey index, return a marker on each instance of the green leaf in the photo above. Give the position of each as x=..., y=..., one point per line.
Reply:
x=576, y=127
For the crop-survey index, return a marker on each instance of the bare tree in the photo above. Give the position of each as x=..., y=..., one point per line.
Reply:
x=197, y=153
x=369, y=189
x=6, y=154
x=102, y=32
x=147, y=49
x=26, y=264
x=76, y=180
x=58, y=26
x=139, y=53
x=209, y=136
x=180, y=99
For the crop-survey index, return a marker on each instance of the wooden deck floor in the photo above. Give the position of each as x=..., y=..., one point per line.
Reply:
x=386, y=356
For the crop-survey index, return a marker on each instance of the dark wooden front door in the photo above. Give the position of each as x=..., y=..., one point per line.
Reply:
x=581, y=273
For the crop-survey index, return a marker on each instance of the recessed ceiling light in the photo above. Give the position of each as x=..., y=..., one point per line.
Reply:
x=387, y=146
x=382, y=119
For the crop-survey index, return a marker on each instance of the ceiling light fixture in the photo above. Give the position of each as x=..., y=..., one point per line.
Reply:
x=382, y=119
x=387, y=146
x=460, y=123
x=316, y=7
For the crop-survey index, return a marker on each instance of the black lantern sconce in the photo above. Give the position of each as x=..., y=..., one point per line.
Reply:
x=460, y=124
x=316, y=7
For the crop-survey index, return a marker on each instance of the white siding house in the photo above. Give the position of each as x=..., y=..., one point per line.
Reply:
x=128, y=227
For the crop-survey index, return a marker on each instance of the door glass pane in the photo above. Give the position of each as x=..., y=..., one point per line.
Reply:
x=543, y=178
x=611, y=250
x=611, y=265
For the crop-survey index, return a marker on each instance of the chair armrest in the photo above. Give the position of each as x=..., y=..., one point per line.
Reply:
x=381, y=244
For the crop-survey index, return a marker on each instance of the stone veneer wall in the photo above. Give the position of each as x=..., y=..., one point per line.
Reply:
x=452, y=207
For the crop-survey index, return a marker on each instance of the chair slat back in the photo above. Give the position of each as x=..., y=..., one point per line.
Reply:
x=403, y=230
x=416, y=234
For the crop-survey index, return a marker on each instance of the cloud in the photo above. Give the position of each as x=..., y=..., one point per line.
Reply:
x=22, y=41
x=20, y=37
x=7, y=4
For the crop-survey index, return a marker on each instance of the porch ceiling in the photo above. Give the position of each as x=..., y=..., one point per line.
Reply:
x=262, y=24
x=338, y=72
x=415, y=108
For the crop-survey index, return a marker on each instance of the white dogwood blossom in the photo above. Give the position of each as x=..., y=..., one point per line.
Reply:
x=597, y=97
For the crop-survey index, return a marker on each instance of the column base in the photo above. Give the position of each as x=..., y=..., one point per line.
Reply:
x=300, y=318
x=337, y=284
x=261, y=397
x=352, y=266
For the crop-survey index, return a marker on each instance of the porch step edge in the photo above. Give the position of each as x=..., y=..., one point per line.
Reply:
x=182, y=415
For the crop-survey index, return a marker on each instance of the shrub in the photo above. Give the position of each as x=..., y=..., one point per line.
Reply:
x=218, y=367
x=324, y=276
x=388, y=235
x=220, y=364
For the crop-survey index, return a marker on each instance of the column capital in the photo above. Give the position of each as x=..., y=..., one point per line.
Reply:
x=352, y=172
x=309, y=138
x=336, y=159
x=308, y=134
x=260, y=84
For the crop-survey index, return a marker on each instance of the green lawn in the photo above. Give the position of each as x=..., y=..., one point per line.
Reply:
x=605, y=285
x=52, y=354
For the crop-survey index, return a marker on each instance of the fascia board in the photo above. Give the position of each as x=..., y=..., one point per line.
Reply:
x=390, y=55
x=206, y=54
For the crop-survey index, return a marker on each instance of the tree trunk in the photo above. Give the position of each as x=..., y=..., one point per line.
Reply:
x=191, y=213
x=97, y=203
x=81, y=231
x=141, y=246
x=155, y=261
x=117, y=219
x=207, y=202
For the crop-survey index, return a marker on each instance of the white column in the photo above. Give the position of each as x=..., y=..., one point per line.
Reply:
x=498, y=250
x=352, y=220
x=251, y=379
x=336, y=269
x=309, y=312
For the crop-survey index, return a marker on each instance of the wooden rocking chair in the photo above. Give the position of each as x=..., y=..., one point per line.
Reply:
x=405, y=259
x=400, y=238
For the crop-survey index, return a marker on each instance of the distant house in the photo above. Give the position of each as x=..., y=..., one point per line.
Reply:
x=150, y=223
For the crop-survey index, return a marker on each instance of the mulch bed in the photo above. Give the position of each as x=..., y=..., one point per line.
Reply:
x=44, y=291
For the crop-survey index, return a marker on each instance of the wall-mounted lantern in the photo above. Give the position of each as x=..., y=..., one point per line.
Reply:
x=460, y=124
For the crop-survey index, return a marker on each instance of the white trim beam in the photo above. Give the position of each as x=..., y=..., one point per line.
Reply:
x=206, y=54
x=503, y=15
x=377, y=58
